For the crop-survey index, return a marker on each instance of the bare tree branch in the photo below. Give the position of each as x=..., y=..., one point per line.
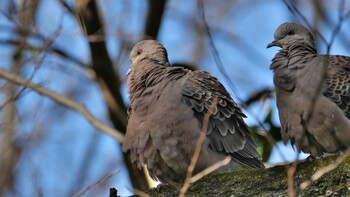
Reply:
x=342, y=17
x=198, y=147
x=215, y=52
x=295, y=11
x=53, y=49
x=210, y=169
x=201, y=9
x=140, y=193
x=91, y=23
x=9, y=151
x=325, y=170
x=99, y=182
x=70, y=103
x=290, y=178
x=154, y=17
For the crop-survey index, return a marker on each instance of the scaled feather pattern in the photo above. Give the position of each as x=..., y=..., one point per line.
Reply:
x=313, y=92
x=168, y=105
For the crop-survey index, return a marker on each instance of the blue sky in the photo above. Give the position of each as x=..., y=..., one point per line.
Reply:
x=66, y=136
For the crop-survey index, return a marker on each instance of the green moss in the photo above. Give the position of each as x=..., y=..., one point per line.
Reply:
x=268, y=182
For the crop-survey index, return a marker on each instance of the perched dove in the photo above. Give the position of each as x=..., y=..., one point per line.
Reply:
x=313, y=92
x=168, y=105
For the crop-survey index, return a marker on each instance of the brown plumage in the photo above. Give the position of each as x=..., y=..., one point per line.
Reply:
x=313, y=92
x=167, y=109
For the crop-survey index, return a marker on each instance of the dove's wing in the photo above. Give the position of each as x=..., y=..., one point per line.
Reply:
x=227, y=131
x=338, y=81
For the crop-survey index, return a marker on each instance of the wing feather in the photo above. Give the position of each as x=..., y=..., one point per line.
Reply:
x=338, y=81
x=227, y=131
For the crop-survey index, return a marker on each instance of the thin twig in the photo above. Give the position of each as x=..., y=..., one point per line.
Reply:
x=324, y=170
x=290, y=178
x=99, y=182
x=68, y=102
x=198, y=148
x=38, y=61
x=56, y=51
x=272, y=141
x=296, y=12
x=18, y=29
x=141, y=193
x=210, y=169
x=222, y=70
x=337, y=28
x=213, y=48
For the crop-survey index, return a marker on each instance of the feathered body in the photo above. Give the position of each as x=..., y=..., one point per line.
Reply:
x=312, y=92
x=167, y=109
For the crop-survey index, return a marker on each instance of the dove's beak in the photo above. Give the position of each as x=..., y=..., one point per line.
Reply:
x=274, y=43
x=129, y=71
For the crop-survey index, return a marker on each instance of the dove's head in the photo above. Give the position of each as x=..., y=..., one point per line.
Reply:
x=289, y=34
x=148, y=49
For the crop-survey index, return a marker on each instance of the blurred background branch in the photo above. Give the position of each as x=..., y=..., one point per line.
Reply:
x=10, y=151
x=65, y=101
x=79, y=49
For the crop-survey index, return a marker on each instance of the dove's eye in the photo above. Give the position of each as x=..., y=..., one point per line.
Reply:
x=290, y=32
x=139, y=52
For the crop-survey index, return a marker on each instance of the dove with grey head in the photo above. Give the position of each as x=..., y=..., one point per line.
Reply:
x=168, y=105
x=312, y=92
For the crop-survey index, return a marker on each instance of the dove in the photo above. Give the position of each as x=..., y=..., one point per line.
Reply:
x=312, y=92
x=168, y=106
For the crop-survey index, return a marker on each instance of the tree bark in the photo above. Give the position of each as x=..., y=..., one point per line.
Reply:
x=270, y=182
x=92, y=23
x=154, y=17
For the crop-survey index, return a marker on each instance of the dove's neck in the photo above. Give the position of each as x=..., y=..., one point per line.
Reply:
x=289, y=60
x=294, y=57
x=301, y=50
x=144, y=77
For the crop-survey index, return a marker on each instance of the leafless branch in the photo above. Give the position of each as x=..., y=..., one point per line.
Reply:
x=70, y=103
x=342, y=16
x=38, y=62
x=336, y=30
x=48, y=42
x=222, y=70
x=198, y=147
x=55, y=50
x=324, y=170
x=99, y=182
x=290, y=178
x=215, y=52
x=272, y=141
x=10, y=152
x=210, y=169
x=141, y=193
x=295, y=11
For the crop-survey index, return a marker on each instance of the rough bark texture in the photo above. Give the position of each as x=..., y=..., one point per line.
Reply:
x=92, y=24
x=269, y=182
x=154, y=17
